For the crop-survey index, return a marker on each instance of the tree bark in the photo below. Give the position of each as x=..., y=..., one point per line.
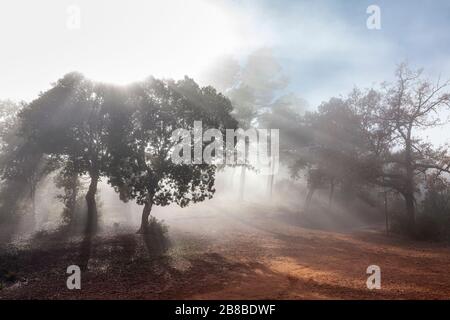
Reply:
x=386, y=213
x=409, y=184
x=92, y=223
x=410, y=210
x=145, y=215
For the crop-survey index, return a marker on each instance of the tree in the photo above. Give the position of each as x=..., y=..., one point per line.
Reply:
x=21, y=164
x=12, y=191
x=68, y=180
x=252, y=88
x=143, y=168
x=70, y=122
x=437, y=197
x=332, y=147
x=410, y=105
x=285, y=114
x=8, y=122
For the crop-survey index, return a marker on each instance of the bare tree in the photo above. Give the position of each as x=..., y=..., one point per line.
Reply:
x=410, y=105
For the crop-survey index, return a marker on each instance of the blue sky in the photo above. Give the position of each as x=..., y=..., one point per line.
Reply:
x=324, y=46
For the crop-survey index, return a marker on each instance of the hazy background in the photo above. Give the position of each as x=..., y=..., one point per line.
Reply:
x=324, y=47
x=316, y=49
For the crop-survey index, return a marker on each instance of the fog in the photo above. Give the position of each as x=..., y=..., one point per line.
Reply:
x=343, y=130
x=254, y=85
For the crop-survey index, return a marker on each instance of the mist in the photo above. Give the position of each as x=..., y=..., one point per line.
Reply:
x=354, y=174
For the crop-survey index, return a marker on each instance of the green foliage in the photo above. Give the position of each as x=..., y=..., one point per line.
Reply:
x=81, y=127
x=156, y=238
x=69, y=121
x=333, y=147
x=8, y=276
x=370, y=139
x=8, y=121
x=435, y=209
x=20, y=166
x=142, y=166
x=72, y=189
x=433, y=216
x=426, y=228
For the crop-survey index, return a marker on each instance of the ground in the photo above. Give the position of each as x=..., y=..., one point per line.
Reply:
x=217, y=254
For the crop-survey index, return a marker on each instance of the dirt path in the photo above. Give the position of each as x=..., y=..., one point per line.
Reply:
x=230, y=256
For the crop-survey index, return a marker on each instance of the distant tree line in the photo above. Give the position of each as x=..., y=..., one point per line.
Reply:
x=368, y=140
x=121, y=134
x=374, y=139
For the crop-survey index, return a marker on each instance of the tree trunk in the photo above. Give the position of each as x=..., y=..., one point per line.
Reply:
x=410, y=210
x=330, y=198
x=409, y=199
x=309, y=199
x=386, y=213
x=91, y=225
x=409, y=184
x=145, y=215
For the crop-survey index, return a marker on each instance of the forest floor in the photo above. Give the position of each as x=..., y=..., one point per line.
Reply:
x=225, y=255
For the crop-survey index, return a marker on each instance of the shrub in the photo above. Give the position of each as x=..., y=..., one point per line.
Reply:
x=8, y=276
x=156, y=237
x=428, y=227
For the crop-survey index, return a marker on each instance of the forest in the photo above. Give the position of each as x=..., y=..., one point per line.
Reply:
x=203, y=151
x=358, y=161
